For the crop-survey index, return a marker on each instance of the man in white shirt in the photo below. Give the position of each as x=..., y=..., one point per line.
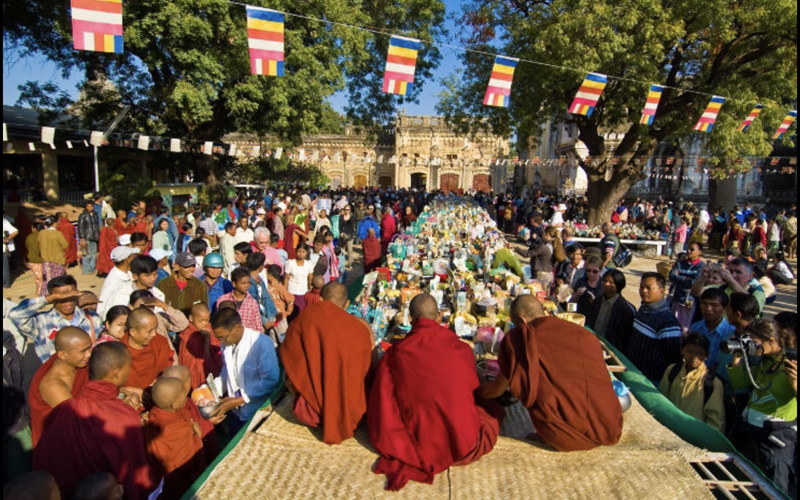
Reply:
x=119, y=281
x=9, y=233
x=557, y=220
x=250, y=372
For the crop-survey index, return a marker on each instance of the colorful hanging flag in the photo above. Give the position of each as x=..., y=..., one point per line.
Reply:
x=750, y=118
x=97, y=25
x=787, y=122
x=588, y=95
x=265, y=41
x=400, y=65
x=649, y=111
x=706, y=122
x=500, y=82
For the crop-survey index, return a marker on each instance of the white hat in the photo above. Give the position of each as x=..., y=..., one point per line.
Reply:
x=159, y=253
x=282, y=206
x=261, y=211
x=125, y=240
x=561, y=207
x=121, y=253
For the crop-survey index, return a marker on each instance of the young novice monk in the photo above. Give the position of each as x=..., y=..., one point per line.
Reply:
x=211, y=446
x=685, y=383
x=150, y=352
x=172, y=439
x=312, y=296
x=199, y=351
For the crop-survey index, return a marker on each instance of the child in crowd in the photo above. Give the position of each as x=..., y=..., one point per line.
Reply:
x=198, y=349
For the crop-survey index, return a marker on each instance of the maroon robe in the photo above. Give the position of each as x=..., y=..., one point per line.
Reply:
x=108, y=241
x=66, y=228
x=372, y=253
x=40, y=410
x=95, y=432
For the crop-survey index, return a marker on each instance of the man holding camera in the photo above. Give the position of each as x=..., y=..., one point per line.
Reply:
x=738, y=276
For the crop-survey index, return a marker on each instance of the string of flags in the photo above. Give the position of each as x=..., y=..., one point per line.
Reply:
x=97, y=26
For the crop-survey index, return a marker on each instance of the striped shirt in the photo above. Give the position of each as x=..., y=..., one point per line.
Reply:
x=655, y=340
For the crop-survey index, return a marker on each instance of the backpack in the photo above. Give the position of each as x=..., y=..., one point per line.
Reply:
x=728, y=399
x=623, y=257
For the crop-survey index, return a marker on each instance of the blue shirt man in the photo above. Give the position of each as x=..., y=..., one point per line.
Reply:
x=715, y=328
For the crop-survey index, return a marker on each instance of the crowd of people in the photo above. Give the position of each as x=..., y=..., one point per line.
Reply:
x=237, y=289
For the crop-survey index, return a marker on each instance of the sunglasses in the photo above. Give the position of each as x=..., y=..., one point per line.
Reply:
x=593, y=271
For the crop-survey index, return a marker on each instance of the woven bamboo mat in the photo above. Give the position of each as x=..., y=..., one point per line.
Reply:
x=285, y=460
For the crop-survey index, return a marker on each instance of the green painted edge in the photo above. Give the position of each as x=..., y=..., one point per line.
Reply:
x=198, y=484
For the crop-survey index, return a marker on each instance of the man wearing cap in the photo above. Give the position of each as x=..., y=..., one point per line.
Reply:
x=119, y=281
x=182, y=290
x=212, y=278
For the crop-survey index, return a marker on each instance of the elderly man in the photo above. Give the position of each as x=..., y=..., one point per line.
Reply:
x=96, y=431
x=422, y=415
x=326, y=354
x=119, y=283
x=41, y=326
x=610, y=246
x=738, y=277
x=572, y=405
x=261, y=243
x=250, y=372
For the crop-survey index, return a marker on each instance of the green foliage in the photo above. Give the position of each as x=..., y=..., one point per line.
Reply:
x=186, y=71
x=746, y=51
x=268, y=170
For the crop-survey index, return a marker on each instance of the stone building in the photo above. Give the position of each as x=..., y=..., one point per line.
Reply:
x=414, y=152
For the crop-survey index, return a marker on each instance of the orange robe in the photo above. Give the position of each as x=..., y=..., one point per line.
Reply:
x=120, y=226
x=572, y=404
x=372, y=253
x=108, y=241
x=174, y=452
x=193, y=355
x=211, y=446
x=95, y=432
x=312, y=297
x=327, y=354
x=148, y=363
x=422, y=414
x=66, y=228
x=40, y=410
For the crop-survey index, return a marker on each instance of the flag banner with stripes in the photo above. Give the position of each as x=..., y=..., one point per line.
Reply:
x=649, y=111
x=97, y=25
x=750, y=118
x=499, y=89
x=588, y=95
x=265, y=41
x=706, y=122
x=787, y=122
x=401, y=62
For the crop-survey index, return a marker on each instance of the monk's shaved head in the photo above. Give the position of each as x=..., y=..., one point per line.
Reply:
x=177, y=371
x=334, y=292
x=107, y=357
x=199, y=308
x=526, y=307
x=424, y=306
x=166, y=391
x=35, y=485
x=98, y=486
x=69, y=337
x=318, y=281
x=139, y=318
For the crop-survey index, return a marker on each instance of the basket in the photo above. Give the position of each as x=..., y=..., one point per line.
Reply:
x=664, y=268
x=578, y=319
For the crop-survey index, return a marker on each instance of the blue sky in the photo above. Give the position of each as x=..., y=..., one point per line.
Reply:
x=39, y=69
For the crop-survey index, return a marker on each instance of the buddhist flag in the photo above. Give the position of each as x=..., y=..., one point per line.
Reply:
x=500, y=82
x=400, y=65
x=787, y=122
x=588, y=95
x=706, y=122
x=750, y=118
x=265, y=40
x=649, y=111
x=97, y=25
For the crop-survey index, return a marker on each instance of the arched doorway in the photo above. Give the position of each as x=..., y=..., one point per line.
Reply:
x=448, y=182
x=359, y=181
x=336, y=182
x=385, y=181
x=419, y=181
x=482, y=182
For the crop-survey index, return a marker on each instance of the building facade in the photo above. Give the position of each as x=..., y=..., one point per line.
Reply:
x=415, y=152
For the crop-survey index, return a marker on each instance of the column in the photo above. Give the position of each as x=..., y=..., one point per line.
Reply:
x=50, y=176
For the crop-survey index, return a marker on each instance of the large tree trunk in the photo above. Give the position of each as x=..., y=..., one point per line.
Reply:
x=722, y=193
x=603, y=196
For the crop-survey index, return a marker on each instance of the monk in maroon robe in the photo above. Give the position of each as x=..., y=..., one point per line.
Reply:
x=173, y=439
x=423, y=416
x=96, y=431
x=556, y=369
x=211, y=446
x=388, y=230
x=107, y=243
x=199, y=350
x=327, y=354
x=372, y=251
x=66, y=228
x=59, y=377
x=150, y=351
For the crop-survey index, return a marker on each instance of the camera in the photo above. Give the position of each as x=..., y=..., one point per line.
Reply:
x=745, y=345
x=791, y=353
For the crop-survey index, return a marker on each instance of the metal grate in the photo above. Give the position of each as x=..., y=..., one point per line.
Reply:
x=730, y=478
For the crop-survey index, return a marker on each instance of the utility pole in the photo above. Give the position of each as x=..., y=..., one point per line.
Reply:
x=109, y=130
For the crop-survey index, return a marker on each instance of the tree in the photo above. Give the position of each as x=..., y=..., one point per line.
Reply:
x=185, y=70
x=744, y=50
